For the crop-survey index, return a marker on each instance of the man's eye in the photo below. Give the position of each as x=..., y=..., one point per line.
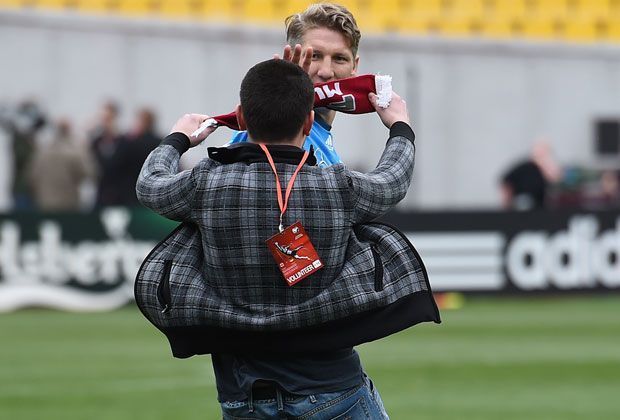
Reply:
x=316, y=56
x=341, y=59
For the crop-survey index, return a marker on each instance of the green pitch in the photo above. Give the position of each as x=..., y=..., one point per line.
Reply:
x=492, y=359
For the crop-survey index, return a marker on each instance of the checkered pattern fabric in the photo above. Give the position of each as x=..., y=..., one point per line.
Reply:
x=215, y=269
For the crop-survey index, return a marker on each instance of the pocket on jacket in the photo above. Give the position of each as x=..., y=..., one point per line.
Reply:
x=378, y=269
x=164, y=295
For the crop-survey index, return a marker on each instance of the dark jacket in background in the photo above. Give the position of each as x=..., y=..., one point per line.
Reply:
x=130, y=155
x=120, y=160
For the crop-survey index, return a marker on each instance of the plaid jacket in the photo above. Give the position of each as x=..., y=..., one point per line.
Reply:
x=214, y=276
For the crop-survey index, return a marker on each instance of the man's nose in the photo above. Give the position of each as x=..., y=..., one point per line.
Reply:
x=326, y=72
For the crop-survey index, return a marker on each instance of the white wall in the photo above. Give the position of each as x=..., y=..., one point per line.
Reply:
x=476, y=105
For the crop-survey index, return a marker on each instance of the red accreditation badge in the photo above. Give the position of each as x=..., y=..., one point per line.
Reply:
x=294, y=253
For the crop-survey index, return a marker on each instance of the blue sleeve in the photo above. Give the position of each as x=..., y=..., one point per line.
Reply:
x=238, y=137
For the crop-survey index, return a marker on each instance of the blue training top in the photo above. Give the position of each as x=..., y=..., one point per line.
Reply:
x=320, y=139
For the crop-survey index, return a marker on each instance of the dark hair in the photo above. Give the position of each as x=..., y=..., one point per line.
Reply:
x=276, y=97
x=147, y=117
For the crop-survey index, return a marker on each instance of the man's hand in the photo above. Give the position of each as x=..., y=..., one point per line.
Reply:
x=303, y=58
x=189, y=123
x=396, y=111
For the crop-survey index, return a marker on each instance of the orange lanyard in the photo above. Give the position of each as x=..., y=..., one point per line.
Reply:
x=283, y=202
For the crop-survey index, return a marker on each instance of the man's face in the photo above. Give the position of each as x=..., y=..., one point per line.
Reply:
x=332, y=58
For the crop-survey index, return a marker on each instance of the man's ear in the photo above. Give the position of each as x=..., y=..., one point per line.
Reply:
x=240, y=117
x=356, y=64
x=308, y=123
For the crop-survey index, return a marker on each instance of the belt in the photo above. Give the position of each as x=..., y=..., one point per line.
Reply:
x=268, y=391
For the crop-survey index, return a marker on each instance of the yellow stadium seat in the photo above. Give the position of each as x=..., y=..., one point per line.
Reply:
x=459, y=26
x=584, y=30
x=50, y=4
x=543, y=29
x=501, y=27
x=613, y=31
x=59, y=5
x=550, y=8
x=98, y=6
x=376, y=15
x=373, y=7
x=14, y=4
x=470, y=8
x=138, y=7
x=297, y=6
x=221, y=11
x=606, y=28
x=202, y=10
x=252, y=10
x=464, y=17
x=592, y=8
x=510, y=9
x=178, y=8
x=269, y=12
x=424, y=7
x=420, y=16
x=414, y=24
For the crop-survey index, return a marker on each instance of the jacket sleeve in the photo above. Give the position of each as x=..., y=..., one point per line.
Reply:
x=161, y=187
x=376, y=192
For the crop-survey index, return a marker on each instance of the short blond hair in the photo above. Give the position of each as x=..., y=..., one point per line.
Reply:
x=323, y=15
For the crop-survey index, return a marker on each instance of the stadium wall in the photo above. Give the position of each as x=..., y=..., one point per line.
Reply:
x=477, y=105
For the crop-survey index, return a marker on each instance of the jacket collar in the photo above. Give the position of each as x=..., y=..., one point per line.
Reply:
x=251, y=153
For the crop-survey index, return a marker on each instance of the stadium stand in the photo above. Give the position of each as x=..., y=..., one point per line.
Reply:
x=557, y=20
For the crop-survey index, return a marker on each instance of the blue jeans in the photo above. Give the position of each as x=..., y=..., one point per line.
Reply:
x=361, y=402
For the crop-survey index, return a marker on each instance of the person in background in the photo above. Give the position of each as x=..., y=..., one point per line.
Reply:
x=105, y=139
x=132, y=150
x=524, y=186
x=23, y=126
x=58, y=170
x=610, y=188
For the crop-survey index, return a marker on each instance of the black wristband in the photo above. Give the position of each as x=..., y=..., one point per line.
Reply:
x=177, y=140
x=402, y=129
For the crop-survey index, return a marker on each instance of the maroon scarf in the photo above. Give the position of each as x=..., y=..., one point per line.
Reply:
x=345, y=95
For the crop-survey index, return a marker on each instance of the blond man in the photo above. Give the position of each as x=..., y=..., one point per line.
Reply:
x=323, y=40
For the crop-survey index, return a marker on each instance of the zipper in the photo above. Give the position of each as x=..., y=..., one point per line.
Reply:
x=163, y=288
x=417, y=255
x=378, y=269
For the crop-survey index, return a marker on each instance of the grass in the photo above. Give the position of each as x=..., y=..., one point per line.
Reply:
x=542, y=358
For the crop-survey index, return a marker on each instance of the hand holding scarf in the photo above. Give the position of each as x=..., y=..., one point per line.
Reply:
x=346, y=95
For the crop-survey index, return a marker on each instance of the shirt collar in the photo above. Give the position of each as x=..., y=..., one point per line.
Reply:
x=251, y=153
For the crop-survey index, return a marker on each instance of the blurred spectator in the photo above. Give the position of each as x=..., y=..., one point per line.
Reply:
x=6, y=161
x=132, y=150
x=105, y=140
x=524, y=186
x=22, y=125
x=610, y=188
x=600, y=192
x=57, y=171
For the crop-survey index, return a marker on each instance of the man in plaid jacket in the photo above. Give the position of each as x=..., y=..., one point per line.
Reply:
x=213, y=286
